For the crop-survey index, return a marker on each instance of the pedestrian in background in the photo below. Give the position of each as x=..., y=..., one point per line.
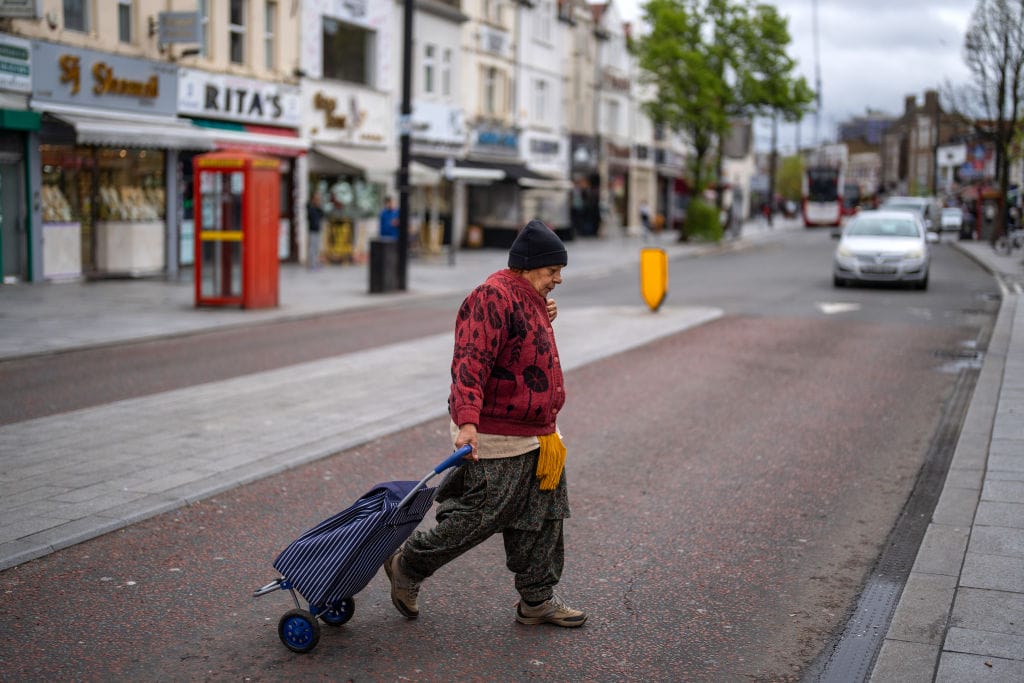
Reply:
x=506, y=391
x=315, y=218
x=645, y=219
x=389, y=219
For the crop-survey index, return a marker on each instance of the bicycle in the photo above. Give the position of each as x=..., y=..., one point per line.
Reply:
x=1011, y=239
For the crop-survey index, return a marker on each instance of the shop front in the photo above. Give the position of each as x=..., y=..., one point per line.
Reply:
x=615, y=207
x=547, y=198
x=438, y=134
x=643, y=187
x=671, y=188
x=353, y=163
x=17, y=128
x=496, y=211
x=108, y=145
x=238, y=114
x=585, y=196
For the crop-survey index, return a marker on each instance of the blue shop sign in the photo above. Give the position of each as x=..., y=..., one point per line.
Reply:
x=498, y=138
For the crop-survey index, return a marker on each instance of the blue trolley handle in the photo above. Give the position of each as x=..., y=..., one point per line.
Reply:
x=453, y=460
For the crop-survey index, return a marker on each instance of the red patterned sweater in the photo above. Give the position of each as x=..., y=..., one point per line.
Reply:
x=506, y=378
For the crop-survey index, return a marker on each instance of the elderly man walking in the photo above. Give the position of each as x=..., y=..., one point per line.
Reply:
x=507, y=388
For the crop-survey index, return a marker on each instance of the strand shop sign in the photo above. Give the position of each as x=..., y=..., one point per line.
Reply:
x=217, y=96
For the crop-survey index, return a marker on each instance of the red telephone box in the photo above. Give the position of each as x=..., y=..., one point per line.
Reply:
x=237, y=205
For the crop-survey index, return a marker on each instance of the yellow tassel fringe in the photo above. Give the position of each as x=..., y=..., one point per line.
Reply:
x=551, y=461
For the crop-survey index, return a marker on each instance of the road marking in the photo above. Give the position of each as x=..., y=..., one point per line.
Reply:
x=833, y=307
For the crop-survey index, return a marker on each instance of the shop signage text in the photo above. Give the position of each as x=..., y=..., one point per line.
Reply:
x=327, y=105
x=219, y=96
x=241, y=101
x=498, y=138
x=89, y=78
x=15, y=64
x=106, y=82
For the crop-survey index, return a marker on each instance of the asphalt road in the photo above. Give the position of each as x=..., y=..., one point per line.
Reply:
x=732, y=487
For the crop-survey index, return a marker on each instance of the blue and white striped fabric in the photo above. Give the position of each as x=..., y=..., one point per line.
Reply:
x=340, y=555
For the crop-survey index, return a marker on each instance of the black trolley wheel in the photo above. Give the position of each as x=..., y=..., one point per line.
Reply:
x=298, y=630
x=339, y=613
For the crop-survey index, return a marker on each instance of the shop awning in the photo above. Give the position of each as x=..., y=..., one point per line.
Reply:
x=379, y=164
x=422, y=175
x=461, y=169
x=135, y=131
x=545, y=182
x=257, y=143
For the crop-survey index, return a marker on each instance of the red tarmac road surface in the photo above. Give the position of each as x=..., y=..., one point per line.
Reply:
x=730, y=486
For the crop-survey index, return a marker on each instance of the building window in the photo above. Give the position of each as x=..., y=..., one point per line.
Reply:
x=492, y=11
x=612, y=122
x=490, y=91
x=269, y=26
x=348, y=52
x=446, y=73
x=542, y=22
x=429, y=55
x=540, y=94
x=124, y=21
x=236, y=31
x=76, y=15
x=204, y=27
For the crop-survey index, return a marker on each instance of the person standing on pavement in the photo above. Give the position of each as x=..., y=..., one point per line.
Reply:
x=389, y=219
x=507, y=388
x=645, y=219
x=315, y=218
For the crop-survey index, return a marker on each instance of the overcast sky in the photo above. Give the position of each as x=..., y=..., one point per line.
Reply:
x=873, y=53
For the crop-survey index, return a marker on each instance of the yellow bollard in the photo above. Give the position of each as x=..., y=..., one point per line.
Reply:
x=653, y=276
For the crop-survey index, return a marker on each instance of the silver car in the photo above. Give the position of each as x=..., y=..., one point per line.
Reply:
x=883, y=246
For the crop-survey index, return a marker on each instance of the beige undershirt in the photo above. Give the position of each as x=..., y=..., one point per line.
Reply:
x=493, y=446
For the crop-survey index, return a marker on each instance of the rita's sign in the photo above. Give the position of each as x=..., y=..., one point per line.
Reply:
x=245, y=100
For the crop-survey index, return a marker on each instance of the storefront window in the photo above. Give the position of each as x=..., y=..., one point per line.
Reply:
x=110, y=201
x=131, y=184
x=494, y=206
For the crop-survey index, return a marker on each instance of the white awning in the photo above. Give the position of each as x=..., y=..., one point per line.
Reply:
x=259, y=143
x=133, y=130
x=379, y=164
x=422, y=175
x=546, y=183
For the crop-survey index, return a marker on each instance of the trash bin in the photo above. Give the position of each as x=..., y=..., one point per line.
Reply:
x=383, y=265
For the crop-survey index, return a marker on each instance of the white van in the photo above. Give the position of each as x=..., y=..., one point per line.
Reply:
x=926, y=207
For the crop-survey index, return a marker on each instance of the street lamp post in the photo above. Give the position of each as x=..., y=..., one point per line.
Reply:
x=405, y=130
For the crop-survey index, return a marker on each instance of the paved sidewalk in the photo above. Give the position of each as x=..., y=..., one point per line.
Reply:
x=71, y=477
x=961, y=614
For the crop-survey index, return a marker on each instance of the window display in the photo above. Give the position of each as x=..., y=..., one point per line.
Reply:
x=106, y=204
x=131, y=184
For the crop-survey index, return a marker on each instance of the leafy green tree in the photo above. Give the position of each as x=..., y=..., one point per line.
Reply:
x=790, y=177
x=712, y=60
x=767, y=84
x=686, y=55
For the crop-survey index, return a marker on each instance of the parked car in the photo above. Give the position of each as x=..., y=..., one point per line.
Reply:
x=883, y=246
x=952, y=219
x=925, y=207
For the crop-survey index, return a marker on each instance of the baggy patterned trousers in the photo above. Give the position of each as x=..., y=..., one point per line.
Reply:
x=480, y=499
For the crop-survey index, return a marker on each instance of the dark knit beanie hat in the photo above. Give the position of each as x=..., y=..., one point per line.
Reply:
x=537, y=246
